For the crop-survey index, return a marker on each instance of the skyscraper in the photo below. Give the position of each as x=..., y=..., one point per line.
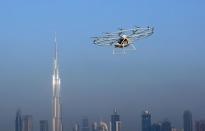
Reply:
x=187, y=117
x=85, y=124
x=27, y=123
x=166, y=126
x=43, y=125
x=18, y=121
x=115, y=121
x=146, y=121
x=76, y=127
x=94, y=126
x=57, y=120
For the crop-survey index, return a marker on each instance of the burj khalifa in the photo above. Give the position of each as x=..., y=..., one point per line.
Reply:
x=56, y=98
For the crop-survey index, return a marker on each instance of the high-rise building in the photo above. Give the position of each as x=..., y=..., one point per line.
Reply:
x=156, y=127
x=146, y=121
x=57, y=118
x=187, y=121
x=85, y=125
x=166, y=126
x=27, y=123
x=94, y=126
x=200, y=125
x=18, y=121
x=43, y=125
x=115, y=120
x=76, y=127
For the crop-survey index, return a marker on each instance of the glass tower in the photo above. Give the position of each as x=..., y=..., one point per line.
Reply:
x=187, y=117
x=146, y=121
x=27, y=123
x=18, y=121
x=85, y=124
x=115, y=119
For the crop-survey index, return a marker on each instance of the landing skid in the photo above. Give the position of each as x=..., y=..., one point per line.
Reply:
x=124, y=50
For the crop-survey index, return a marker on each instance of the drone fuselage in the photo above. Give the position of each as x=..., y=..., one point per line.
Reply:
x=122, y=42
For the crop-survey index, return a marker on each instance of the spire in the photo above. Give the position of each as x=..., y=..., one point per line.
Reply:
x=115, y=110
x=56, y=55
x=56, y=47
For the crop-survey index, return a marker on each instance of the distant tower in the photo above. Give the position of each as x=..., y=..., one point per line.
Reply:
x=146, y=121
x=115, y=121
x=18, y=121
x=85, y=124
x=76, y=127
x=27, y=123
x=166, y=126
x=94, y=126
x=43, y=125
x=57, y=120
x=187, y=117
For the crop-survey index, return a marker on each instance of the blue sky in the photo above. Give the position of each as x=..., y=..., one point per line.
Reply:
x=165, y=74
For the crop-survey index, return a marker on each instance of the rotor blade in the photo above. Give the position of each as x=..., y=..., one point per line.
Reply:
x=94, y=37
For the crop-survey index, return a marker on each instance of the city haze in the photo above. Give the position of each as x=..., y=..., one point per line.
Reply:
x=165, y=74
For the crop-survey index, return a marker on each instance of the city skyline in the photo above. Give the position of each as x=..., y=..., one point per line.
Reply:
x=165, y=74
x=25, y=123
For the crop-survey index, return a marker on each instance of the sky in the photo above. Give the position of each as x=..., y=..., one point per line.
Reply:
x=165, y=74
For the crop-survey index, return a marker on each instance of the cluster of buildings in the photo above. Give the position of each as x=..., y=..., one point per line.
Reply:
x=146, y=124
x=188, y=124
x=25, y=123
x=113, y=125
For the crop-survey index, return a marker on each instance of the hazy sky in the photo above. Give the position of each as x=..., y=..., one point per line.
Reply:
x=166, y=74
